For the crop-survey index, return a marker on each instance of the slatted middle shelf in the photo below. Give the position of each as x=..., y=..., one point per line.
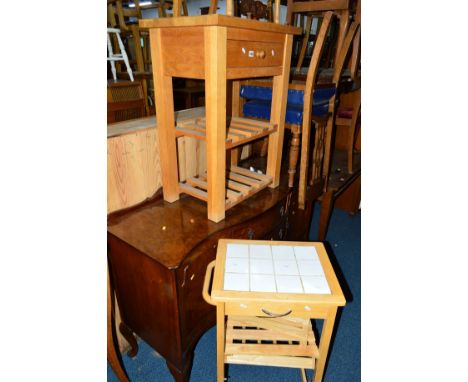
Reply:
x=240, y=130
x=241, y=183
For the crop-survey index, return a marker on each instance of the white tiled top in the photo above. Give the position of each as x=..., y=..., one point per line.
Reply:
x=237, y=250
x=274, y=268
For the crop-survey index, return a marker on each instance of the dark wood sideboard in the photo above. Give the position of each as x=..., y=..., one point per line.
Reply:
x=158, y=253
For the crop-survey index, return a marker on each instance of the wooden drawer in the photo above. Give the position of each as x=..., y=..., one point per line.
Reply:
x=279, y=233
x=259, y=308
x=262, y=226
x=253, y=53
x=297, y=227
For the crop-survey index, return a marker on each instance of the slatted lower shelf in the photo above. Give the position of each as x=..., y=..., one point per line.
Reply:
x=240, y=184
x=239, y=132
x=285, y=342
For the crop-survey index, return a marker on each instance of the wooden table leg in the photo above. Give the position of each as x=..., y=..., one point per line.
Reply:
x=215, y=95
x=165, y=117
x=220, y=338
x=324, y=345
x=278, y=113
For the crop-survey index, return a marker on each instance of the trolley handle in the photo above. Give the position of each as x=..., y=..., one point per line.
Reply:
x=206, y=283
x=275, y=315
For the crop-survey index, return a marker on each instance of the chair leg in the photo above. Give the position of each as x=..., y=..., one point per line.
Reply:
x=352, y=132
x=327, y=150
x=144, y=84
x=294, y=153
x=318, y=153
x=235, y=154
x=264, y=149
x=138, y=50
x=349, y=149
x=304, y=168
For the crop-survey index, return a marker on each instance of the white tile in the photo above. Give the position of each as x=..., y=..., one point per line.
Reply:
x=282, y=252
x=262, y=283
x=306, y=253
x=260, y=266
x=236, y=281
x=288, y=284
x=237, y=250
x=235, y=265
x=315, y=285
x=286, y=267
x=260, y=251
x=310, y=268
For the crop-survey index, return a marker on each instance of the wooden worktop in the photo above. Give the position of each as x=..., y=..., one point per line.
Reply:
x=218, y=20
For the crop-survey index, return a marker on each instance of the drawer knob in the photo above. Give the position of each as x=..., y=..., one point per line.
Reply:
x=269, y=314
x=261, y=54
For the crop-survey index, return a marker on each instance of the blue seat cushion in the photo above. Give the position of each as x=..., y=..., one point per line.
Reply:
x=262, y=109
x=258, y=103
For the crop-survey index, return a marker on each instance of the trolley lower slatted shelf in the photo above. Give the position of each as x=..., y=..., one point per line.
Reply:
x=287, y=342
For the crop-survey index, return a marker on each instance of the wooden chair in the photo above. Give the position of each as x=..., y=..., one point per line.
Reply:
x=301, y=60
x=254, y=9
x=349, y=106
x=339, y=183
x=308, y=104
x=178, y=7
x=341, y=8
x=348, y=118
x=126, y=19
x=123, y=18
x=125, y=100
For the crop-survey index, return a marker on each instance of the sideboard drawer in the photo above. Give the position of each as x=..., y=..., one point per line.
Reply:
x=279, y=233
x=261, y=227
